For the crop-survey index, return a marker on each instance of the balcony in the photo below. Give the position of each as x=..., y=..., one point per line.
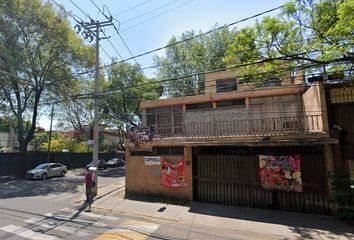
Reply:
x=275, y=126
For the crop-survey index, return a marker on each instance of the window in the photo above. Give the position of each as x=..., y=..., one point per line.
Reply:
x=151, y=119
x=231, y=103
x=165, y=119
x=199, y=106
x=226, y=85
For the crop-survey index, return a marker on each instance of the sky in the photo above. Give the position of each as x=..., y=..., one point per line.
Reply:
x=149, y=24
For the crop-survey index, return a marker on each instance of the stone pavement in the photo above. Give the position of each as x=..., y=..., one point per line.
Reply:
x=287, y=224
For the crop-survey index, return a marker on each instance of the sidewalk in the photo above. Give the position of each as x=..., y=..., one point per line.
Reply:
x=286, y=224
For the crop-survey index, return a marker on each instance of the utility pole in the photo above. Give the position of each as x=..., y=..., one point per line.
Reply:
x=90, y=30
x=50, y=132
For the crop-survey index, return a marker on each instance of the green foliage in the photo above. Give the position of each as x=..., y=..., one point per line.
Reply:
x=190, y=58
x=129, y=87
x=343, y=197
x=39, y=139
x=38, y=52
x=306, y=33
x=62, y=142
x=6, y=123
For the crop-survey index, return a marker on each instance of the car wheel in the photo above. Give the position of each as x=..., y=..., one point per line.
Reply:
x=62, y=174
x=44, y=176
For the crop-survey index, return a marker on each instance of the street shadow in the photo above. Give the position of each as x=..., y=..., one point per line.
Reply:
x=29, y=188
x=307, y=226
x=71, y=183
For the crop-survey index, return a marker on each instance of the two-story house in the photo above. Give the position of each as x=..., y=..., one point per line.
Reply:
x=237, y=144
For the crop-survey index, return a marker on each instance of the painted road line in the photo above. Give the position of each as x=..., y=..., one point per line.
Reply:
x=70, y=218
x=26, y=233
x=46, y=223
x=137, y=230
x=93, y=215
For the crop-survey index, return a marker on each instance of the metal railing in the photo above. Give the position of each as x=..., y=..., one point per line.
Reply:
x=304, y=124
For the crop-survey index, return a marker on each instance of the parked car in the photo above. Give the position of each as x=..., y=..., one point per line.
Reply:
x=115, y=162
x=47, y=170
x=101, y=164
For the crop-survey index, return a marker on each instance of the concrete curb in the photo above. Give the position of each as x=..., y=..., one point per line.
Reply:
x=105, y=210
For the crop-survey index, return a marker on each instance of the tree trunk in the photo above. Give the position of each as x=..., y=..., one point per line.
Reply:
x=23, y=157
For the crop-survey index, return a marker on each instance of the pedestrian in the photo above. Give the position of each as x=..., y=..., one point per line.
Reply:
x=89, y=183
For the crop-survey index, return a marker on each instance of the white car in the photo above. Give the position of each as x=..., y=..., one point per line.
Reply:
x=47, y=170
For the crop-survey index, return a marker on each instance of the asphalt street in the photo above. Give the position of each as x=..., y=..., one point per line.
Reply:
x=51, y=209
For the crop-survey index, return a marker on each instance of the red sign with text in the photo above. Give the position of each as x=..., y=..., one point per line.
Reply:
x=172, y=174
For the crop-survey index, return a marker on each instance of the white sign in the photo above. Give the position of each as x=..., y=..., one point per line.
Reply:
x=153, y=160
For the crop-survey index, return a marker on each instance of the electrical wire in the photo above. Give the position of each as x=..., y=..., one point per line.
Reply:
x=184, y=40
x=114, y=91
x=125, y=44
x=129, y=9
x=157, y=15
x=80, y=9
x=148, y=12
x=68, y=12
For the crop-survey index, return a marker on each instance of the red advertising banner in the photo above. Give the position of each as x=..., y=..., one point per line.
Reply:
x=172, y=174
x=280, y=172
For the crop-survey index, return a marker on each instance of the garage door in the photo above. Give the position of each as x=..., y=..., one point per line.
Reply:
x=230, y=175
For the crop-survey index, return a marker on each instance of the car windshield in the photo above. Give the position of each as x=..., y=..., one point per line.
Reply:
x=112, y=161
x=42, y=166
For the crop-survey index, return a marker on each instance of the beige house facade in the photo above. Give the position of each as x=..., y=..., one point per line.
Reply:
x=222, y=137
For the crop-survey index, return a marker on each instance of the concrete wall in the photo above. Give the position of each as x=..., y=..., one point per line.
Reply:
x=314, y=105
x=145, y=179
x=4, y=139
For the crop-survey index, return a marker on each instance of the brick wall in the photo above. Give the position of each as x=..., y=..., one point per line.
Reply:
x=145, y=179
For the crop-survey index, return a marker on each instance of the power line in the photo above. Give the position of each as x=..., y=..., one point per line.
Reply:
x=106, y=52
x=98, y=8
x=115, y=49
x=187, y=39
x=157, y=15
x=125, y=44
x=68, y=12
x=80, y=9
x=181, y=41
x=129, y=9
x=148, y=12
x=197, y=74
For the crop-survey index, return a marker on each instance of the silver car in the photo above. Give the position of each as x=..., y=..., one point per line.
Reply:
x=47, y=170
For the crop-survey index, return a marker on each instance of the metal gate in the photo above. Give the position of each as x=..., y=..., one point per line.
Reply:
x=230, y=176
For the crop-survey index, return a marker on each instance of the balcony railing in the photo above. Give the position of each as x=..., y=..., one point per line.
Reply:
x=244, y=127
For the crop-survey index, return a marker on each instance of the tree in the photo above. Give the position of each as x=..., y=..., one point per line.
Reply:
x=66, y=141
x=38, y=52
x=307, y=34
x=189, y=58
x=6, y=123
x=126, y=88
x=77, y=113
